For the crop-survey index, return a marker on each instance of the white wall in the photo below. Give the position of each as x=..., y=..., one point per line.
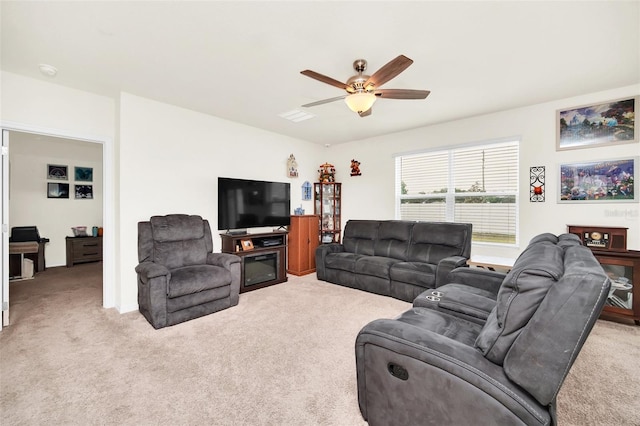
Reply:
x=47, y=105
x=29, y=205
x=170, y=159
x=371, y=196
x=166, y=159
x=47, y=108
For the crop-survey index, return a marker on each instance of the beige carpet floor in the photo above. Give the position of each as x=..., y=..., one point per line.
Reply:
x=283, y=356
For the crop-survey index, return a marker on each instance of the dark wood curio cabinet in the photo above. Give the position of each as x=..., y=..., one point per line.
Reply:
x=327, y=205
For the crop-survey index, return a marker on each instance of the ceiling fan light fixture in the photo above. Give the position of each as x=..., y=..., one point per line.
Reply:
x=360, y=102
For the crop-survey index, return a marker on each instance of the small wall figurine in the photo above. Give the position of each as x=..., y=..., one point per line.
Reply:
x=306, y=191
x=292, y=167
x=327, y=173
x=355, y=168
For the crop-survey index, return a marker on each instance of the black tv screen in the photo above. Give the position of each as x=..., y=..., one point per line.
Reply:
x=252, y=203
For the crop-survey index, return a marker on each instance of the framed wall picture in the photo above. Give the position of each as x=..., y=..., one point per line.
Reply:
x=58, y=172
x=83, y=174
x=83, y=192
x=57, y=190
x=598, y=181
x=607, y=123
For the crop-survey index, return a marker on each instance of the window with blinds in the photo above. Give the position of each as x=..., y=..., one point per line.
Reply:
x=474, y=184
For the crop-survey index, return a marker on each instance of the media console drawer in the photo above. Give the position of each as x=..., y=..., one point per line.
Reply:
x=83, y=249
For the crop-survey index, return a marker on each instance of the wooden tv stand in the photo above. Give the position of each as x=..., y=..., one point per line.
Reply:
x=264, y=258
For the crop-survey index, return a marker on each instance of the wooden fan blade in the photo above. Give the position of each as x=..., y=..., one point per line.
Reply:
x=389, y=71
x=324, y=79
x=402, y=93
x=365, y=113
x=324, y=101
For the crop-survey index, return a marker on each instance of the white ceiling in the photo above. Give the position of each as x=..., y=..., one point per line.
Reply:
x=242, y=60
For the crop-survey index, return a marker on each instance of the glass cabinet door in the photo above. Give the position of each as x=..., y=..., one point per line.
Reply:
x=623, y=269
x=621, y=292
x=317, y=201
x=336, y=210
x=327, y=206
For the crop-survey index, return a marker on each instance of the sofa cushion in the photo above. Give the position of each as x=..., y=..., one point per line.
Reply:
x=393, y=239
x=177, y=227
x=554, y=335
x=179, y=240
x=376, y=266
x=193, y=279
x=416, y=273
x=359, y=236
x=520, y=295
x=342, y=260
x=176, y=254
x=197, y=301
x=432, y=241
x=452, y=327
x=544, y=237
x=566, y=240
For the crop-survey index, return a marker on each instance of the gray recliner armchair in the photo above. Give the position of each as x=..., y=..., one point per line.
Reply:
x=179, y=276
x=444, y=362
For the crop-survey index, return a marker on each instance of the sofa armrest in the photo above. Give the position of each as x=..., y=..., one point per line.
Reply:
x=153, y=288
x=478, y=278
x=321, y=253
x=433, y=362
x=224, y=260
x=149, y=270
x=233, y=263
x=447, y=265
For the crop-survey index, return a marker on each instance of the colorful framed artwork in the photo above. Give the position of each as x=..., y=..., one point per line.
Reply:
x=598, y=181
x=55, y=171
x=608, y=123
x=83, y=174
x=83, y=192
x=57, y=190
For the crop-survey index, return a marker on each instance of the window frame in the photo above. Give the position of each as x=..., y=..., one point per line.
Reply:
x=450, y=196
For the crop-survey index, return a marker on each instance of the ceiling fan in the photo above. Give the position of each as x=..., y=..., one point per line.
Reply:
x=363, y=90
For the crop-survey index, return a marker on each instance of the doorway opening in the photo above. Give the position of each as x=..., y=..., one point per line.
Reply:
x=31, y=152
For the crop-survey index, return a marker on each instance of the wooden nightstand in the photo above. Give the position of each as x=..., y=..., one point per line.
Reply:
x=83, y=249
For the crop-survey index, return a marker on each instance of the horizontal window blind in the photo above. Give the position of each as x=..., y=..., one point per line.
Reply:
x=474, y=184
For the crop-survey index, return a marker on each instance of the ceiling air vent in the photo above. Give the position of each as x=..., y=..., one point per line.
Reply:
x=296, y=115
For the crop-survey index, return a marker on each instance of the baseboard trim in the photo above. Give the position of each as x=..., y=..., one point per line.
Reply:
x=127, y=308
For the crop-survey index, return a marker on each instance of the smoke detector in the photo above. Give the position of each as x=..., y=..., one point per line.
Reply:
x=48, y=70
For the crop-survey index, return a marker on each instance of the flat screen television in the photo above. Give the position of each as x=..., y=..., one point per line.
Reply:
x=246, y=203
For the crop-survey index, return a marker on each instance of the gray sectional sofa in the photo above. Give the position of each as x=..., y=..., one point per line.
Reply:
x=486, y=348
x=401, y=259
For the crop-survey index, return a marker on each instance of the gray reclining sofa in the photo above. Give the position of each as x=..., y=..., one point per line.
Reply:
x=483, y=350
x=395, y=258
